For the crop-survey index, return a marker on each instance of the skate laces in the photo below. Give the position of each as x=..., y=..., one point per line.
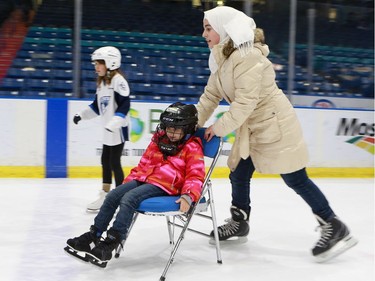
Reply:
x=229, y=228
x=108, y=244
x=326, y=232
x=104, y=244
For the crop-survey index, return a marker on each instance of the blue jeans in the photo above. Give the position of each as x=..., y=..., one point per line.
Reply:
x=299, y=181
x=127, y=196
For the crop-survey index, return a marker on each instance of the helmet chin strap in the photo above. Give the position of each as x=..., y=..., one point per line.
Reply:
x=167, y=147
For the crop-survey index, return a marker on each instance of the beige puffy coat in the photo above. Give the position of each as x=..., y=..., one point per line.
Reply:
x=265, y=123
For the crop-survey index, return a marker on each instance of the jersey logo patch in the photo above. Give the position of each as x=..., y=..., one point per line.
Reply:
x=123, y=86
x=104, y=101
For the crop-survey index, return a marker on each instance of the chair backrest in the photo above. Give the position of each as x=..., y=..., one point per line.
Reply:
x=167, y=204
x=210, y=148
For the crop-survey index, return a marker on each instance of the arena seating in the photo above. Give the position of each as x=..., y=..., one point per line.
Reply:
x=163, y=58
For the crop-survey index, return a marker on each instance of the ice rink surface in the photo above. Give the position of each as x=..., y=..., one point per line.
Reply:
x=39, y=215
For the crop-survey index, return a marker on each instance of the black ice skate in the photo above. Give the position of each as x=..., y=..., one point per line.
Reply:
x=102, y=252
x=80, y=247
x=335, y=239
x=236, y=229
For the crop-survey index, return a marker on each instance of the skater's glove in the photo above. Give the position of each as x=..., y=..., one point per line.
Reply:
x=76, y=119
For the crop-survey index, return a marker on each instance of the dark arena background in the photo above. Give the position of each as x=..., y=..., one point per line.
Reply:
x=46, y=46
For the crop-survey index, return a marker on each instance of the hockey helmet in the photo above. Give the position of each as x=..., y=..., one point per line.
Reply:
x=181, y=116
x=110, y=55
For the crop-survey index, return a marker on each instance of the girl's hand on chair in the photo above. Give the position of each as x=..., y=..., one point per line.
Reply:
x=184, y=205
x=209, y=133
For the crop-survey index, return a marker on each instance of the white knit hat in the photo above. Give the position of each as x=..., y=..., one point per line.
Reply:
x=229, y=22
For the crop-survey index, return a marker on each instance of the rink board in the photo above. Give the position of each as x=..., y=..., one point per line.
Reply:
x=39, y=139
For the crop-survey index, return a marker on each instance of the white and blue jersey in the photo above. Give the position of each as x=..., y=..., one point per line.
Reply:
x=112, y=103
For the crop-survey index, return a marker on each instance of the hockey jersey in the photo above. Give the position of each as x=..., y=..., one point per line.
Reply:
x=112, y=103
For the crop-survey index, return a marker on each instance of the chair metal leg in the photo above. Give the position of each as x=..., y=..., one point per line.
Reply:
x=170, y=229
x=214, y=224
x=175, y=248
x=121, y=246
x=186, y=227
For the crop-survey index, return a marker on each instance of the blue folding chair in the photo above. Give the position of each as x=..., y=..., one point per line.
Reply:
x=166, y=206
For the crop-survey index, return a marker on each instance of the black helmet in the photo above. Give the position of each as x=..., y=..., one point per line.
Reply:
x=180, y=115
x=177, y=115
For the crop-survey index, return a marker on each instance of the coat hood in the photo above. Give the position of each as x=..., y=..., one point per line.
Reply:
x=263, y=48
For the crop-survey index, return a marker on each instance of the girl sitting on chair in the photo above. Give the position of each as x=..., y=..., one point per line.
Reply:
x=172, y=164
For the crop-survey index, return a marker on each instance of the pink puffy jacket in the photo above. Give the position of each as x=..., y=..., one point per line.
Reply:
x=180, y=174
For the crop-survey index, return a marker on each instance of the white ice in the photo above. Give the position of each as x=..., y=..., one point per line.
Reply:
x=39, y=215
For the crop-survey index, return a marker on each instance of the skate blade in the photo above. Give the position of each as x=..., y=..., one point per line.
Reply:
x=98, y=262
x=92, y=211
x=341, y=247
x=232, y=241
x=77, y=254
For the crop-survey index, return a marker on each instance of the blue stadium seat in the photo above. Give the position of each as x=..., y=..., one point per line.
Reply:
x=164, y=89
x=89, y=86
x=198, y=80
x=142, y=88
x=88, y=74
x=65, y=86
x=190, y=90
x=38, y=85
x=63, y=55
x=65, y=74
x=8, y=93
x=40, y=74
x=12, y=84
x=34, y=94
x=17, y=73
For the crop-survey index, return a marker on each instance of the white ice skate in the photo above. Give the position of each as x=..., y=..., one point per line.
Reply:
x=94, y=207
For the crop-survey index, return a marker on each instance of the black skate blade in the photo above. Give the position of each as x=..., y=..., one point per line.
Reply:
x=98, y=262
x=76, y=254
x=232, y=241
